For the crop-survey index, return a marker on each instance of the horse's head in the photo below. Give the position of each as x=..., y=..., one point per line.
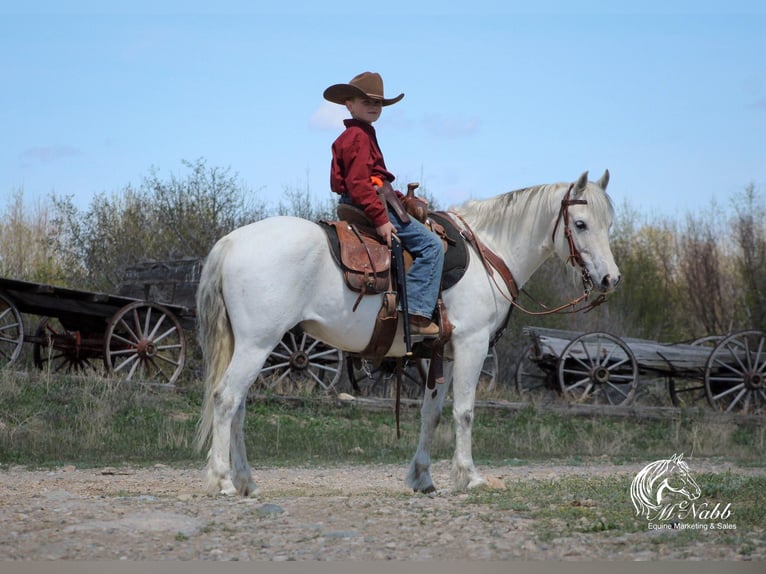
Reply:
x=581, y=232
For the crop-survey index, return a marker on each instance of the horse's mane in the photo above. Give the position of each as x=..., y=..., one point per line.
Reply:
x=507, y=216
x=527, y=203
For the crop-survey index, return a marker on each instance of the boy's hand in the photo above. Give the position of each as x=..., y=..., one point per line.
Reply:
x=385, y=231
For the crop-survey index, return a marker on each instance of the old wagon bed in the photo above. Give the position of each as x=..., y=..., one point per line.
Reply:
x=133, y=337
x=729, y=372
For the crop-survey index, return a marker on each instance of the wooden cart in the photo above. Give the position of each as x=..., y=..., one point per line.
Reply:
x=728, y=372
x=128, y=335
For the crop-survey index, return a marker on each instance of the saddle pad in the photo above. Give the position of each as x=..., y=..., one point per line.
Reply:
x=456, y=256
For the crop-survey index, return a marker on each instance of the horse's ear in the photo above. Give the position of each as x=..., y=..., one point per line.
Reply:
x=604, y=181
x=581, y=184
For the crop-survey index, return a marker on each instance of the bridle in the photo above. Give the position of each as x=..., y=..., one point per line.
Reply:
x=490, y=260
x=575, y=258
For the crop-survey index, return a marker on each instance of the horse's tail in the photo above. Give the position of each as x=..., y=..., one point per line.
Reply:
x=214, y=333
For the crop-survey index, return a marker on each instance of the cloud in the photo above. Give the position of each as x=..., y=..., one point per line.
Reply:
x=760, y=104
x=48, y=154
x=328, y=117
x=451, y=127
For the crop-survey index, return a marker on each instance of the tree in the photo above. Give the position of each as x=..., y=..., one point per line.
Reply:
x=712, y=294
x=750, y=236
x=26, y=249
x=161, y=220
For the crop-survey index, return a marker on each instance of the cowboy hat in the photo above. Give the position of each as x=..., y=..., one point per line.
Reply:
x=364, y=85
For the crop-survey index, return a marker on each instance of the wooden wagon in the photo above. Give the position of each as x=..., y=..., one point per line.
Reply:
x=727, y=372
x=136, y=334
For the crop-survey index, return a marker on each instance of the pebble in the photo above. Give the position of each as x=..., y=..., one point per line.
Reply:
x=269, y=510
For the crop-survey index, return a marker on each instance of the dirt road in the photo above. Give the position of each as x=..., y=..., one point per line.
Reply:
x=338, y=513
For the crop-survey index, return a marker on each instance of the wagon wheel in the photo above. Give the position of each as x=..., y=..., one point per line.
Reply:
x=59, y=350
x=145, y=341
x=735, y=373
x=11, y=331
x=598, y=368
x=300, y=361
x=380, y=381
x=690, y=392
x=489, y=372
x=532, y=382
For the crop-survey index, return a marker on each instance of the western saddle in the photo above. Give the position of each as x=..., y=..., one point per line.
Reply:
x=367, y=269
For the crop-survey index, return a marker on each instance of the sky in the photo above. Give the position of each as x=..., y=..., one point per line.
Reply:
x=670, y=96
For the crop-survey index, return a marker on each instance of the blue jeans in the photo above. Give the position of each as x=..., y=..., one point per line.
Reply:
x=425, y=275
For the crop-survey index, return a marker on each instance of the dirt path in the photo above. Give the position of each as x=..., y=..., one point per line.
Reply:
x=338, y=513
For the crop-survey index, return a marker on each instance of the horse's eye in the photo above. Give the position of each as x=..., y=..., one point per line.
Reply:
x=581, y=225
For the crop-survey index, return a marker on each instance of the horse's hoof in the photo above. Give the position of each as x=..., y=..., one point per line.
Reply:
x=427, y=490
x=227, y=488
x=476, y=483
x=251, y=490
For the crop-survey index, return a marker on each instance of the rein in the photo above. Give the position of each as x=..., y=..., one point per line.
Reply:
x=490, y=259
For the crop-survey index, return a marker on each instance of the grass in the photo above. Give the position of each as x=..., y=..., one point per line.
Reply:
x=50, y=421
x=576, y=506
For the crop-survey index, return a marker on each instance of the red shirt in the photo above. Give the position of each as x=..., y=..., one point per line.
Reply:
x=356, y=156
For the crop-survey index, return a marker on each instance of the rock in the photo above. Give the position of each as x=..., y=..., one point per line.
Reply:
x=495, y=483
x=269, y=510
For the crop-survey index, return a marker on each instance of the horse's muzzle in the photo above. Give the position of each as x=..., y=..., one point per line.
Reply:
x=609, y=283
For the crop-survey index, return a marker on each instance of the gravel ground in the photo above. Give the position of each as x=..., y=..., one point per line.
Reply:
x=336, y=513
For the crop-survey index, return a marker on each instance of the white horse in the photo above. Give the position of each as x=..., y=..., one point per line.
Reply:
x=264, y=278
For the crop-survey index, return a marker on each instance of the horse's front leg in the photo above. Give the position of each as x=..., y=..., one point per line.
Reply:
x=465, y=379
x=419, y=475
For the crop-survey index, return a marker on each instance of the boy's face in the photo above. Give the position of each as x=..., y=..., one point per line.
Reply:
x=365, y=109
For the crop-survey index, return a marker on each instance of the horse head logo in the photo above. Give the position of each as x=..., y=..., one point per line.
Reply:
x=661, y=485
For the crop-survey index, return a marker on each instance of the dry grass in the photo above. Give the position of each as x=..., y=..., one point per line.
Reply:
x=50, y=420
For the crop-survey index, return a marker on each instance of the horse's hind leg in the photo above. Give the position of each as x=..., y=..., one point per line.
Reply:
x=242, y=475
x=419, y=475
x=229, y=411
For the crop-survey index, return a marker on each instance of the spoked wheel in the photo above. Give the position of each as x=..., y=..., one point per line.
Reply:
x=533, y=383
x=489, y=373
x=299, y=361
x=690, y=392
x=11, y=331
x=735, y=374
x=380, y=381
x=59, y=350
x=598, y=368
x=145, y=341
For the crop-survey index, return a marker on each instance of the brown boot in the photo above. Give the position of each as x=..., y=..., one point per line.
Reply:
x=423, y=326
